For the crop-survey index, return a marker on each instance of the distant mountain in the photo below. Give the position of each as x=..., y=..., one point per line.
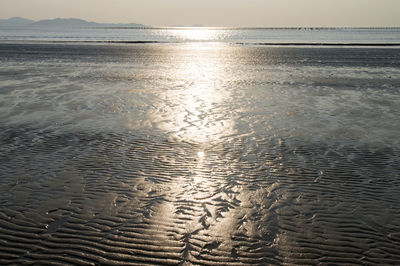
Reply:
x=74, y=22
x=62, y=22
x=70, y=22
x=15, y=21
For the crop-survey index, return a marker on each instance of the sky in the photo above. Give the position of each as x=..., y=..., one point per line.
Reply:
x=233, y=13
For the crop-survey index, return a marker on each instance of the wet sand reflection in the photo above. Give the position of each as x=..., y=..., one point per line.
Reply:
x=195, y=109
x=199, y=154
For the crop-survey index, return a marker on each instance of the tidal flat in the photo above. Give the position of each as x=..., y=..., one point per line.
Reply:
x=199, y=154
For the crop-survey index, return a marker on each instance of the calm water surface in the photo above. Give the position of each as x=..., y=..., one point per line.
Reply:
x=199, y=153
x=204, y=34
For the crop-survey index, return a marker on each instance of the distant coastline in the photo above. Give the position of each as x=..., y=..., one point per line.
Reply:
x=76, y=22
x=62, y=22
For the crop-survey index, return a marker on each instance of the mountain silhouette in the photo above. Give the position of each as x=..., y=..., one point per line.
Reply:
x=62, y=22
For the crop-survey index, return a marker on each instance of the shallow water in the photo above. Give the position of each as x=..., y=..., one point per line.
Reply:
x=199, y=153
x=203, y=34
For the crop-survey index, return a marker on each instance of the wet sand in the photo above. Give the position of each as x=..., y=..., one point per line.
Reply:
x=232, y=155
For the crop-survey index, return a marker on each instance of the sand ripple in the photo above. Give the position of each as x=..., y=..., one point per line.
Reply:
x=87, y=199
x=198, y=155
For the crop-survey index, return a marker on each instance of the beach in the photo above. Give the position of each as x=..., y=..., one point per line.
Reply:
x=199, y=153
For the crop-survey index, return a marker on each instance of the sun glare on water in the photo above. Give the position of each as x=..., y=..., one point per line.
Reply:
x=198, y=34
x=200, y=154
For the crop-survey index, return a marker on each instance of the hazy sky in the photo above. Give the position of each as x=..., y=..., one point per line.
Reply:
x=267, y=13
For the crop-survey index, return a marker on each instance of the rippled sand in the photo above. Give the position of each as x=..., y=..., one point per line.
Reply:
x=199, y=154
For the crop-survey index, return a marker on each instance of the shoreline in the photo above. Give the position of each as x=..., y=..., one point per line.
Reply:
x=286, y=44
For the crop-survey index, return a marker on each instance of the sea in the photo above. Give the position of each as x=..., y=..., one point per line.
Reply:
x=199, y=146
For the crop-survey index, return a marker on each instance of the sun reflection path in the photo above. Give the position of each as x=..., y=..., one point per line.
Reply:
x=194, y=112
x=202, y=202
x=193, y=107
